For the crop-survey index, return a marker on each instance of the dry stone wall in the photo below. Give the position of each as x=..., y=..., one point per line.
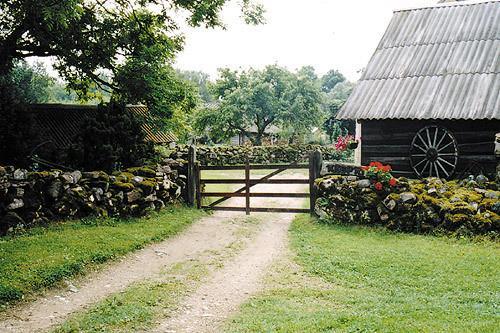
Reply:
x=224, y=155
x=35, y=198
x=465, y=207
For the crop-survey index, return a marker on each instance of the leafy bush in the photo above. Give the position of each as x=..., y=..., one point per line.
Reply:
x=112, y=139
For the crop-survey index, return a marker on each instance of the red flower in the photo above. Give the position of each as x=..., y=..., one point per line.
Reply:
x=393, y=182
x=386, y=168
x=365, y=168
x=378, y=186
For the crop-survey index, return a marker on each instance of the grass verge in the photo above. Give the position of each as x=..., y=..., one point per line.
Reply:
x=140, y=305
x=44, y=256
x=376, y=281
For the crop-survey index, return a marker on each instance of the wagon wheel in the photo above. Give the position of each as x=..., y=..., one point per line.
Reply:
x=434, y=152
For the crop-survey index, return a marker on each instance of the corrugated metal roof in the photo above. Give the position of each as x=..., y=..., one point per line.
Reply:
x=438, y=62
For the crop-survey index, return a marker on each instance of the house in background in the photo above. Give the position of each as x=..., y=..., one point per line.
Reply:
x=58, y=123
x=270, y=136
x=428, y=102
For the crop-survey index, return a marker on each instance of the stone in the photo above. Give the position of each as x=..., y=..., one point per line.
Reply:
x=77, y=176
x=71, y=287
x=19, y=192
x=11, y=219
x=150, y=198
x=54, y=189
x=20, y=174
x=15, y=204
x=474, y=205
x=408, y=197
x=134, y=195
x=491, y=194
x=389, y=203
x=432, y=191
x=363, y=183
x=382, y=214
x=159, y=204
x=481, y=179
x=496, y=207
x=3, y=171
x=67, y=178
x=137, y=179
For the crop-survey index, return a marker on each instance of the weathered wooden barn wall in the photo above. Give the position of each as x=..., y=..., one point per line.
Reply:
x=388, y=141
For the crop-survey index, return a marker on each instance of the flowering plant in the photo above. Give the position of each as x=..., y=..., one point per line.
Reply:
x=379, y=175
x=345, y=142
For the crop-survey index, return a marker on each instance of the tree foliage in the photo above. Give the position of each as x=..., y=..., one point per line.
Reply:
x=334, y=100
x=201, y=81
x=252, y=101
x=87, y=37
x=31, y=84
x=331, y=79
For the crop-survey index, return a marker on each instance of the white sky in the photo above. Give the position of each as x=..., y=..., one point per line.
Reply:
x=327, y=34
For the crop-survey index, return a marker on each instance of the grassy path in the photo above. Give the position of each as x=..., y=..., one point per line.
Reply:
x=354, y=279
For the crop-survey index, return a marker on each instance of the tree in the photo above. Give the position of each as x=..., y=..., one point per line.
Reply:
x=333, y=103
x=159, y=87
x=200, y=80
x=89, y=37
x=31, y=84
x=331, y=79
x=253, y=100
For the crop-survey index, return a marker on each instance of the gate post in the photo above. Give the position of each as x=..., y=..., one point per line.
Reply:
x=247, y=189
x=191, y=176
x=315, y=164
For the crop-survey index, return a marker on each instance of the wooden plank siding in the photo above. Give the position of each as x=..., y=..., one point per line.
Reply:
x=388, y=141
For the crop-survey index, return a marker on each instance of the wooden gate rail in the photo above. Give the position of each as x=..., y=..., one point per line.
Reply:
x=247, y=181
x=195, y=184
x=256, y=166
x=256, y=181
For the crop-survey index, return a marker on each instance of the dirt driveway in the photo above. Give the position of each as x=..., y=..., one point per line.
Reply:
x=217, y=297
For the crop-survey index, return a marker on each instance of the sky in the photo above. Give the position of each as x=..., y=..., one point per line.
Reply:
x=326, y=34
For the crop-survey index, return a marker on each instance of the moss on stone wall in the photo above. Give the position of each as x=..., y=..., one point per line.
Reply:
x=224, y=155
x=467, y=207
x=36, y=198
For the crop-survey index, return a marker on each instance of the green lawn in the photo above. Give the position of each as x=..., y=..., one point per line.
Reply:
x=375, y=281
x=44, y=256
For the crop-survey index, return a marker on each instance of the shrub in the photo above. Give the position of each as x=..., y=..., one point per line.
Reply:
x=109, y=141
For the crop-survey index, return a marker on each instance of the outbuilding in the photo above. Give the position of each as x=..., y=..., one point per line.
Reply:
x=428, y=102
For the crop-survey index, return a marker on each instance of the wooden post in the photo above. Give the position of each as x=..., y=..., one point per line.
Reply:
x=198, y=185
x=315, y=164
x=191, y=176
x=247, y=190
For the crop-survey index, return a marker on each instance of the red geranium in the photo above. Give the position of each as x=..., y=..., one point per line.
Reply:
x=379, y=175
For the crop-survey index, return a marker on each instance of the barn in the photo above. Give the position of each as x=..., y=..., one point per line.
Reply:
x=428, y=101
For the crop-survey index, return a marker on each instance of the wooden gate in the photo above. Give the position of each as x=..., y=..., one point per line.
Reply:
x=197, y=183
